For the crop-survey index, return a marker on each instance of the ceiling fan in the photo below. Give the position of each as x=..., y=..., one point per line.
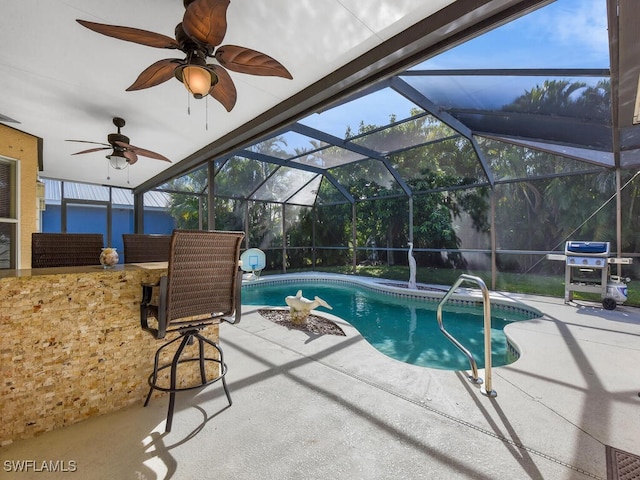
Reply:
x=202, y=29
x=123, y=153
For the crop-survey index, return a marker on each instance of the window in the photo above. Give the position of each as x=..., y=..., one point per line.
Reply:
x=8, y=213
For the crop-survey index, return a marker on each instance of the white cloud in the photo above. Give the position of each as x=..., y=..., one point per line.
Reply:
x=577, y=22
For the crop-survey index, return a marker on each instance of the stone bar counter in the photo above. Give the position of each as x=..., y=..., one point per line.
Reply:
x=71, y=346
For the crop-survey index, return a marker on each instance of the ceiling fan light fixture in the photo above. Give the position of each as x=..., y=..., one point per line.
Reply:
x=117, y=161
x=197, y=80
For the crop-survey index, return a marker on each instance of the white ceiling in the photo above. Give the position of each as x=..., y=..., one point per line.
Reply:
x=63, y=81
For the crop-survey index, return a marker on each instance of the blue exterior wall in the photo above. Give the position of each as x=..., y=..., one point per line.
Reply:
x=90, y=219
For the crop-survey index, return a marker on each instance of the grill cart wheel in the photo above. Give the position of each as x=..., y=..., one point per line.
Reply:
x=609, y=303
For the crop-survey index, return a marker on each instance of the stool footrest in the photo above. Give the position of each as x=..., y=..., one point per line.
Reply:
x=186, y=338
x=155, y=386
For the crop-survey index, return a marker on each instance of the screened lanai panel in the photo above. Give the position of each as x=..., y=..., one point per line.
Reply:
x=307, y=194
x=630, y=218
x=472, y=227
x=298, y=222
x=329, y=157
x=510, y=162
x=382, y=223
x=630, y=138
x=366, y=179
x=544, y=128
x=334, y=226
x=630, y=159
x=405, y=134
x=284, y=183
x=574, y=111
x=579, y=97
x=195, y=181
x=453, y=219
x=542, y=214
x=328, y=194
x=265, y=220
x=355, y=117
x=590, y=156
x=447, y=163
x=229, y=214
x=287, y=145
x=238, y=177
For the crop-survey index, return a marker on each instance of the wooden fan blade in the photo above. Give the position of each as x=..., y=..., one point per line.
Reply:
x=155, y=74
x=91, y=150
x=224, y=91
x=246, y=60
x=135, y=35
x=206, y=21
x=141, y=151
x=130, y=156
x=86, y=141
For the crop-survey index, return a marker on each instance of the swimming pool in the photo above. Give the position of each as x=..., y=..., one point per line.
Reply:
x=402, y=326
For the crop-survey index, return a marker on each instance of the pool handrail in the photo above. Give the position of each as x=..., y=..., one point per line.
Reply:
x=486, y=303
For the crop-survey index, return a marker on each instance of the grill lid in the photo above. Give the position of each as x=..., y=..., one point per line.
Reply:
x=587, y=248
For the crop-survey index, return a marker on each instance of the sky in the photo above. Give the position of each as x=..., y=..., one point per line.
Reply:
x=564, y=34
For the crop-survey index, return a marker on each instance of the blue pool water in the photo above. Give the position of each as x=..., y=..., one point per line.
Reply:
x=402, y=328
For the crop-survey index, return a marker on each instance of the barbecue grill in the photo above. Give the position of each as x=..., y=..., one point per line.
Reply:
x=587, y=270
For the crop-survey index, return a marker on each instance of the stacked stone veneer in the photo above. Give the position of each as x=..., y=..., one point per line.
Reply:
x=71, y=347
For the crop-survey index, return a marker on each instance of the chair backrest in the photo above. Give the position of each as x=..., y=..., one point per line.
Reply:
x=65, y=249
x=202, y=277
x=142, y=248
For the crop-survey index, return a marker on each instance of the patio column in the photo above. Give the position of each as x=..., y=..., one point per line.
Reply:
x=211, y=213
x=618, y=220
x=354, y=232
x=492, y=221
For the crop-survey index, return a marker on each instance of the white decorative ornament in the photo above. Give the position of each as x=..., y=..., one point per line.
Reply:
x=300, y=307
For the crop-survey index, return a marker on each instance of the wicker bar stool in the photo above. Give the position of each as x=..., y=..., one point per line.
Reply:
x=201, y=288
x=143, y=248
x=65, y=249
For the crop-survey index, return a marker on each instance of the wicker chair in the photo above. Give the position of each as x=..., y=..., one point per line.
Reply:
x=201, y=288
x=141, y=248
x=65, y=249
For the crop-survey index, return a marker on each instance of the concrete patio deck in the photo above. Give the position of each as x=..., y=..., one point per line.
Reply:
x=316, y=407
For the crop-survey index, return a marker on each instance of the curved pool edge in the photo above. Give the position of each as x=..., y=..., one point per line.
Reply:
x=429, y=292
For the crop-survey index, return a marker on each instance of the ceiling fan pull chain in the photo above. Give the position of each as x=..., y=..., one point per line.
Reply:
x=188, y=104
x=108, y=172
x=206, y=113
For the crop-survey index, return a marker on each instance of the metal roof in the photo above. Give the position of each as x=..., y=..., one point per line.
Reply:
x=99, y=193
